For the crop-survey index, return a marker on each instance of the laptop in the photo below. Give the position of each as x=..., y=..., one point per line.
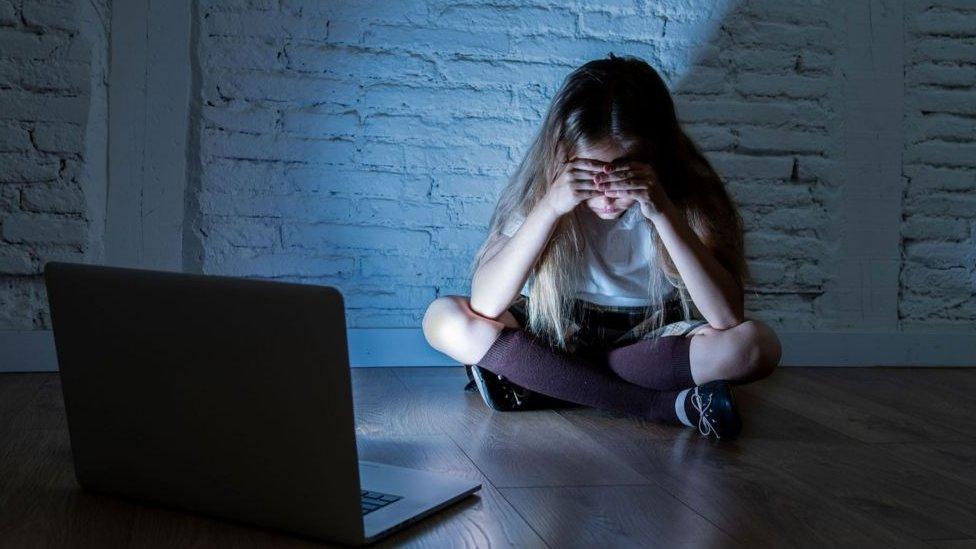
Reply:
x=224, y=396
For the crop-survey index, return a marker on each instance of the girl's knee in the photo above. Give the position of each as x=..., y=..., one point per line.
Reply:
x=452, y=328
x=444, y=320
x=746, y=352
x=759, y=349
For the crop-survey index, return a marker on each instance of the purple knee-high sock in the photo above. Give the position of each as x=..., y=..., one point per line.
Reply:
x=661, y=363
x=529, y=361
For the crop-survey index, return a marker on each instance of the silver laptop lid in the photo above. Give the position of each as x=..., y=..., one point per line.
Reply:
x=223, y=395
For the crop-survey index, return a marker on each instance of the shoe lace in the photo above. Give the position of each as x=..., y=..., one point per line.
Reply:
x=512, y=392
x=705, y=426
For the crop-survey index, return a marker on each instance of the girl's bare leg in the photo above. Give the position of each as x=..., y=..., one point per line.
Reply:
x=742, y=353
x=452, y=328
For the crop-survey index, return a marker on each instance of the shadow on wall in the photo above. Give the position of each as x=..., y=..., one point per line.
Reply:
x=363, y=146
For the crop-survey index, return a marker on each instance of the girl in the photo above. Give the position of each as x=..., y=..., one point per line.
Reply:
x=613, y=272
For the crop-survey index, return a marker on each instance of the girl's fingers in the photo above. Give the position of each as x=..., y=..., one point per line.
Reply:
x=621, y=185
x=631, y=165
x=636, y=193
x=619, y=176
x=582, y=173
x=584, y=184
x=587, y=164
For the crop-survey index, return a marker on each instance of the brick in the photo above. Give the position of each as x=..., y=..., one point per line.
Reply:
x=25, y=45
x=922, y=279
x=27, y=168
x=755, y=112
x=50, y=16
x=241, y=233
x=433, y=101
x=9, y=16
x=258, y=24
x=55, y=137
x=349, y=182
x=769, y=245
x=353, y=237
x=785, y=140
x=228, y=175
x=244, y=53
x=954, y=204
x=340, y=62
x=928, y=178
x=944, y=50
x=293, y=89
x=37, y=229
x=271, y=147
x=53, y=198
x=940, y=74
x=239, y=5
x=516, y=19
x=29, y=106
x=921, y=227
x=737, y=166
x=943, y=153
x=275, y=265
x=422, y=40
x=309, y=124
x=938, y=255
x=14, y=139
x=362, y=10
x=15, y=262
x=627, y=26
x=943, y=22
x=775, y=85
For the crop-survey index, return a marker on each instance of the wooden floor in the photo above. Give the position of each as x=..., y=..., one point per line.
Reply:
x=829, y=457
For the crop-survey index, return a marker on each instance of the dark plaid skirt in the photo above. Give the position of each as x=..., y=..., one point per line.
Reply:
x=600, y=327
x=596, y=328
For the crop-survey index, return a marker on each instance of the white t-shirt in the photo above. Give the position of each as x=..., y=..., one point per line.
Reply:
x=618, y=259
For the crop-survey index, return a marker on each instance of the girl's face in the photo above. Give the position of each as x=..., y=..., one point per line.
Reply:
x=607, y=207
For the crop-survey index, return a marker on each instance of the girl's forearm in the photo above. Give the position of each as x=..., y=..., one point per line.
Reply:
x=500, y=278
x=710, y=285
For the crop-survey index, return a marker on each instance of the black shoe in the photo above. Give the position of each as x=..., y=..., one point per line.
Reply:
x=717, y=415
x=505, y=396
x=471, y=387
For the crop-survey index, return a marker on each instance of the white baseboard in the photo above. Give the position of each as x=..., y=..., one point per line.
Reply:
x=33, y=351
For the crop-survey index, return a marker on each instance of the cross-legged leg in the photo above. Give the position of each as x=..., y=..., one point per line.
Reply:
x=660, y=363
x=530, y=362
x=746, y=352
x=743, y=353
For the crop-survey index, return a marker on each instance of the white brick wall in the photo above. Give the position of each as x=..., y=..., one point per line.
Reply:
x=52, y=69
x=374, y=137
x=938, y=276
x=363, y=144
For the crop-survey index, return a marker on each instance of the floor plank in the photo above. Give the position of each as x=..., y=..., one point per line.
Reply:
x=844, y=457
x=930, y=397
x=16, y=393
x=533, y=448
x=41, y=503
x=847, y=411
x=485, y=520
x=738, y=487
x=897, y=494
x=614, y=516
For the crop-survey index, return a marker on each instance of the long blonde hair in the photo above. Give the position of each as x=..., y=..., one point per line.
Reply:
x=622, y=99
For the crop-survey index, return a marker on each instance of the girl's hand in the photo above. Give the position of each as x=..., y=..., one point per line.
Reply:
x=573, y=184
x=634, y=179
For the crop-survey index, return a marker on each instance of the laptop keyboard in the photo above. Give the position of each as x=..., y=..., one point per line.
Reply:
x=374, y=500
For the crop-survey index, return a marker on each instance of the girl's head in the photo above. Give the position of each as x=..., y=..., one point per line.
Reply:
x=614, y=109
x=609, y=110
